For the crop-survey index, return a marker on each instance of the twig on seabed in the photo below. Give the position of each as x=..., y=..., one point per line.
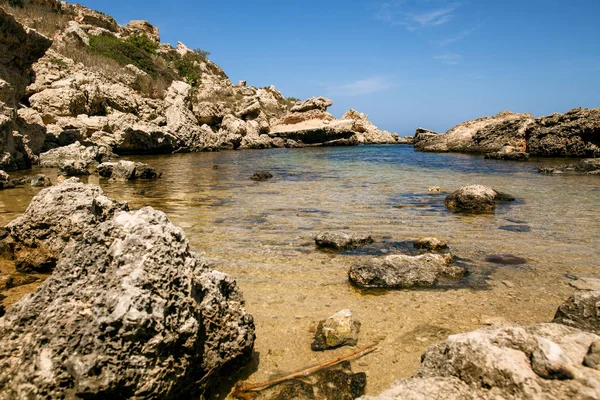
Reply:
x=245, y=390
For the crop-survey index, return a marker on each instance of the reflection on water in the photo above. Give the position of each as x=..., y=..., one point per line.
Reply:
x=261, y=233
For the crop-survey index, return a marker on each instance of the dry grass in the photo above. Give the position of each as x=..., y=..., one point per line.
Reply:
x=44, y=19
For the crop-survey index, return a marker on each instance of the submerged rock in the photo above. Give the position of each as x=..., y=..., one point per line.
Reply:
x=55, y=216
x=342, y=240
x=40, y=180
x=402, y=271
x=341, y=329
x=582, y=311
x=430, y=243
x=74, y=168
x=536, y=362
x=127, y=171
x=475, y=199
x=261, y=176
x=589, y=166
x=129, y=312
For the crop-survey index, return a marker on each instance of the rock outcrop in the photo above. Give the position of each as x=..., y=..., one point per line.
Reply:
x=55, y=216
x=20, y=133
x=542, y=361
x=402, y=271
x=588, y=166
x=75, y=153
x=341, y=240
x=475, y=199
x=129, y=312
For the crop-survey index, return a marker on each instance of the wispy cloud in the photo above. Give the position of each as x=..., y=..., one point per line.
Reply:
x=405, y=13
x=459, y=36
x=449, y=58
x=361, y=87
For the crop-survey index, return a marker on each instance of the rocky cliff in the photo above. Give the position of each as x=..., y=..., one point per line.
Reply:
x=104, y=84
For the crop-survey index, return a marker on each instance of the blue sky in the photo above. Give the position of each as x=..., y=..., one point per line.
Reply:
x=406, y=63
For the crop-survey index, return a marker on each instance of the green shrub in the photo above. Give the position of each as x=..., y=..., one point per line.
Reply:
x=142, y=42
x=293, y=99
x=123, y=52
x=188, y=68
x=202, y=53
x=57, y=61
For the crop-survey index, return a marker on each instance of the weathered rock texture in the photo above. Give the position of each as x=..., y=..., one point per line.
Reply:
x=129, y=312
x=588, y=166
x=402, y=271
x=508, y=153
x=475, y=199
x=542, y=361
x=127, y=171
x=342, y=240
x=341, y=329
x=21, y=133
x=582, y=311
x=55, y=216
x=430, y=243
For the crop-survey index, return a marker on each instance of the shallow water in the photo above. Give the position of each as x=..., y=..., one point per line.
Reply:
x=261, y=233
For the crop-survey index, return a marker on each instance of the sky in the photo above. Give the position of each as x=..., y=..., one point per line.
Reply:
x=405, y=63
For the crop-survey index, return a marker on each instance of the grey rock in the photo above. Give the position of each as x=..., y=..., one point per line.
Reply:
x=402, y=271
x=582, y=311
x=73, y=168
x=475, y=199
x=127, y=170
x=261, y=176
x=56, y=215
x=592, y=358
x=430, y=243
x=342, y=240
x=76, y=152
x=40, y=180
x=129, y=312
x=341, y=329
x=588, y=166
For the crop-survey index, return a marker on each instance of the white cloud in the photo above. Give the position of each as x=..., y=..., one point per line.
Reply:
x=449, y=58
x=403, y=12
x=361, y=87
x=459, y=36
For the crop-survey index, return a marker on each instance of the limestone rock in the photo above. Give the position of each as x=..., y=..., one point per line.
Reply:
x=341, y=329
x=314, y=103
x=55, y=216
x=342, y=240
x=592, y=358
x=402, y=271
x=74, y=153
x=509, y=153
x=430, y=243
x=588, y=166
x=73, y=35
x=366, y=132
x=145, y=28
x=73, y=168
x=128, y=312
x=40, y=180
x=127, y=171
x=582, y=311
x=475, y=199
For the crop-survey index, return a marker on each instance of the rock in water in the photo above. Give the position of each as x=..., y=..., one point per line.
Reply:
x=341, y=329
x=55, y=216
x=504, y=363
x=401, y=271
x=129, y=312
x=582, y=311
x=127, y=171
x=475, y=199
x=430, y=243
x=261, y=176
x=341, y=240
x=73, y=168
x=588, y=166
x=40, y=180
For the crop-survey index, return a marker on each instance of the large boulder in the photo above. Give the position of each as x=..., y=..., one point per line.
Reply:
x=55, y=216
x=402, y=271
x=483, y=135
x=542, y=361
x=575, y=133
x=75, y=153
x=475, y=199
x=314, y=103
x=129, y=312
x=582, y=311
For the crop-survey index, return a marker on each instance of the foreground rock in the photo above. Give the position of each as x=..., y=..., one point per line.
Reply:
x=341, y=329
x=55, y=216
x=341, y=240
x=127, y=171
x=589, y=166
x=475, y=199
x=575, y=133
x=402, y=271
x=483, y=135
x=129, y=312
x=582, y=311
x=542, y=361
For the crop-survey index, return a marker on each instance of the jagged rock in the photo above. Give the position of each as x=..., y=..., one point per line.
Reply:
x=402, y=271
x=75, y=153
x=261, y=176
x=73, y=35
x=127, y=171
x=341, y=329
x=128, y=312
x=342, y=240
x=55, y=216
x=422, y=134
x=582, y=311
x=314, y=131
x=209, y=113
x=430, y=243
x=145, y=28
x=73, y=168
x=575, y=133
x=475, y=199
x=589, y=166
x=483, y=135
x=508, y=153
x=504, y=363
x=314, y=103
x=368, y=133
x=40, y=180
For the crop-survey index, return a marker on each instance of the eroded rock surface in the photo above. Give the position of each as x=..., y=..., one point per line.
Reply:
x=55, y=216
x=342, y=240
x=582, y=311
x=589, y=166
x=341, y=329
x=129, y=312
x=475, y=199
x=127, y=171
